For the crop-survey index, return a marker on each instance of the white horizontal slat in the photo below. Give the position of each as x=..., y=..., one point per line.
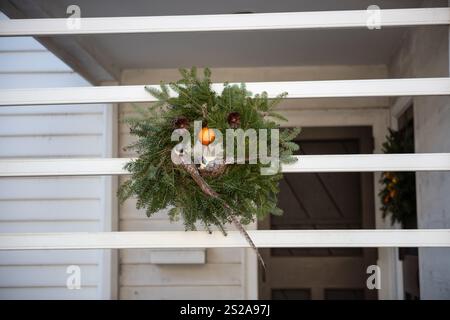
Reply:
x=203, y=239
x=296, y=89
x=184, y=275
x=305, y=163
x=226, y=22
x=371, y=162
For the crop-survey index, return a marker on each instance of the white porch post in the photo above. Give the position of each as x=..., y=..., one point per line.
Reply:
x=109, y=258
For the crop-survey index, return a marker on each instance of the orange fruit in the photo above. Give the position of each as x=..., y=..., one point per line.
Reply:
x=206, y=136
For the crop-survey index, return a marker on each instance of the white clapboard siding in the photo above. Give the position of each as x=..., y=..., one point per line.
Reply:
x=47, y=204
x=33, y=80
x=185, y=275
x=50, y=209
x=36, y=276
x=213, y=255
x=42, y=257
x=58, y=188
x=181, y=292
x=130, y=211
x=163, y=256
x=68, y=109
x=150, y=225
x=51, y=146
x=223, y=255
x=33, y=226
x=59, y=124
x=49, y=293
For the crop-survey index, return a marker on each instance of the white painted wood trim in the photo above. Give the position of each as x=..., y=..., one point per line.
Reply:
x=109, y=258
x=305, y=163
x=400, y=105
x=225, y=22
x=295, y=89
x=203, y=239
x=398, y=108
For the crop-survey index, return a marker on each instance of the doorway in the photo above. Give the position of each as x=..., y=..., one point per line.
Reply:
x=323, y=201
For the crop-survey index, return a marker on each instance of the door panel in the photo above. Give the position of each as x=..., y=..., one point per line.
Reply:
x=291, y=294
x=322, y=201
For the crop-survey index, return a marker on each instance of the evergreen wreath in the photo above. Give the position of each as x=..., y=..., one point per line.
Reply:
x=211, y=194
x=398, y=195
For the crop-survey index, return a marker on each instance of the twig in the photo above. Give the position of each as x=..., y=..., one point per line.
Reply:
x=206, y=188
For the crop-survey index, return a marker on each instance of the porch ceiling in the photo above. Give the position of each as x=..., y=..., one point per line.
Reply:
x=113, y=53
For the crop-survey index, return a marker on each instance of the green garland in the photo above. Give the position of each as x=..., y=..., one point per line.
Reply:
x=158, y=183
x=398, y=195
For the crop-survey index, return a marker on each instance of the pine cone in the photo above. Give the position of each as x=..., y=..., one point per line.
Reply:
x=181, y=123
x=234, y=120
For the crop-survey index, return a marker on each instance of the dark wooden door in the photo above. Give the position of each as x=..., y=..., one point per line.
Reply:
x=323, y=201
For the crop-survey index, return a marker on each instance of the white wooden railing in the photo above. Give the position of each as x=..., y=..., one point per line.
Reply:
x=296, y=89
